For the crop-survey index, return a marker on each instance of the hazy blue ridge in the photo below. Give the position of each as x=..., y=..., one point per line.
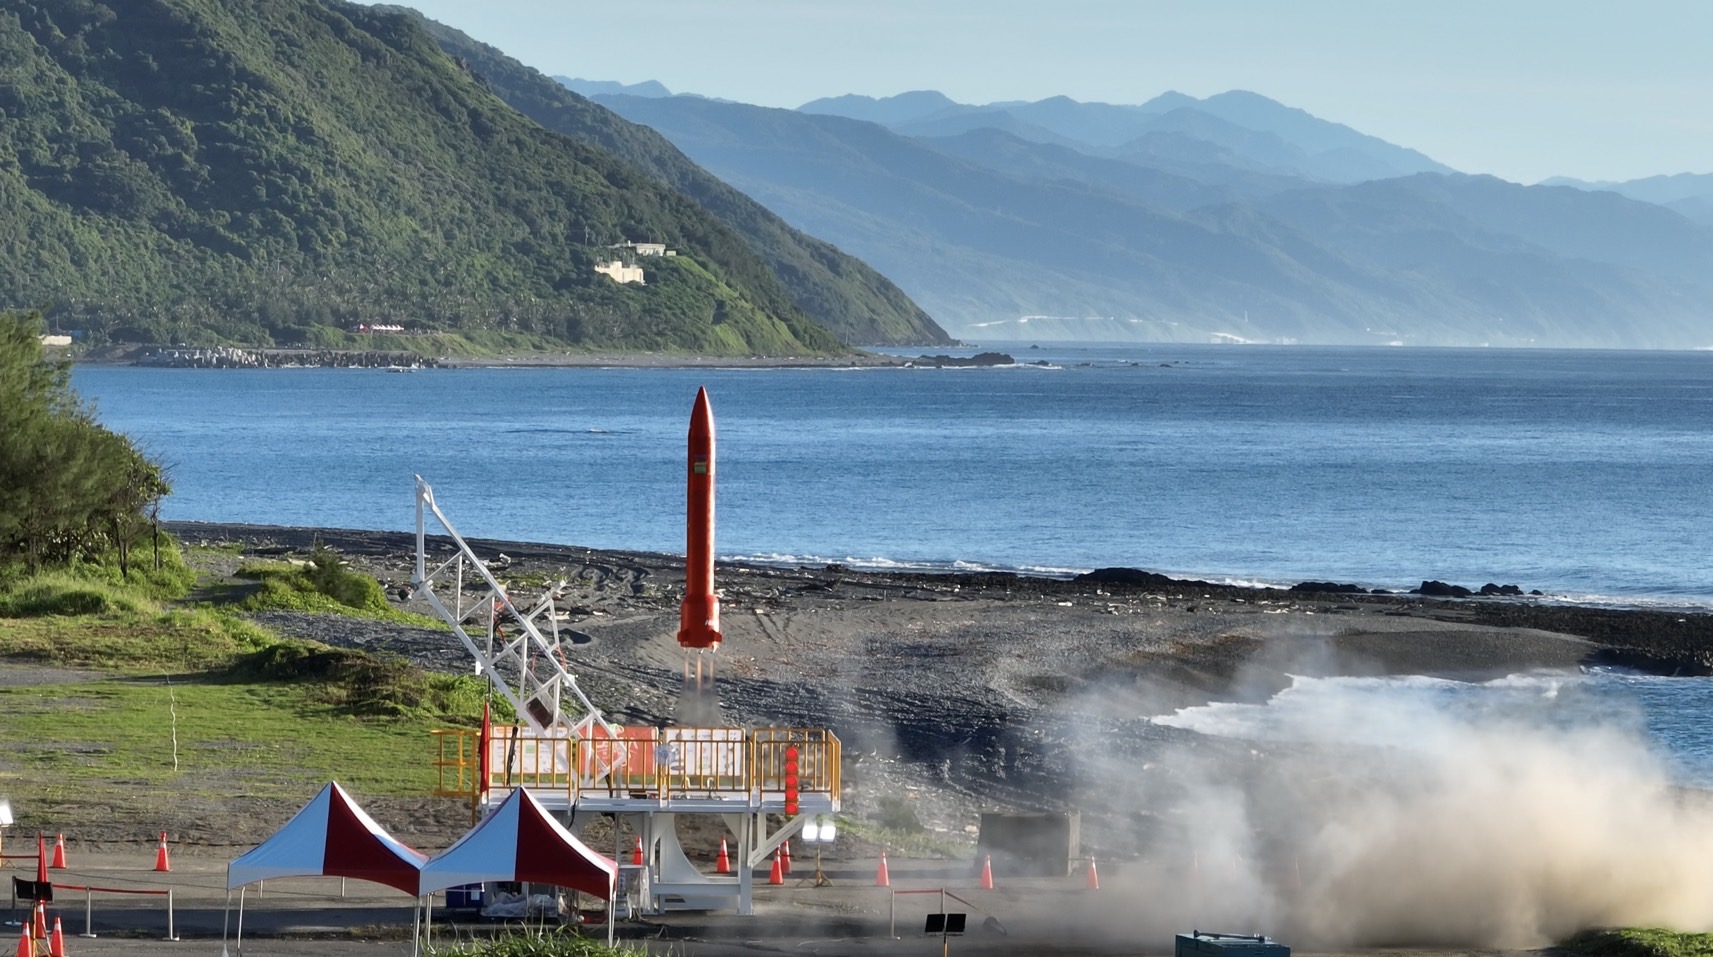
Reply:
x=1255, y=132
x=971, y=242
x=1688, y=194
x=596, y=87
x=986, y=227
x=892, y=109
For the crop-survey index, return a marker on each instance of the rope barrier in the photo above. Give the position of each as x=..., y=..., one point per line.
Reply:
x=89, y=893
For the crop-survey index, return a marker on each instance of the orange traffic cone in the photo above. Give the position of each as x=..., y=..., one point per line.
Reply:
x=40, y=929
x=26, y=946
x=775, y=876
x=59, y=853
x=881, y=878
x=785, y=857
x=987, y=872
x=1092, y=877
x=724, y=864
x=56, y=940
x=636, y=855
x=161, y=855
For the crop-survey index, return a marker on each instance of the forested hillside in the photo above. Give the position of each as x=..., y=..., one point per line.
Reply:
x=275, y=171
x=837, y=290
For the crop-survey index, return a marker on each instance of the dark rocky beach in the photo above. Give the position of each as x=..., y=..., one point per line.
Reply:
x=961, y=694
x=982, y=692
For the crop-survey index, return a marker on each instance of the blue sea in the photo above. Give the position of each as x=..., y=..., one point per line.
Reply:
x=1581, y=474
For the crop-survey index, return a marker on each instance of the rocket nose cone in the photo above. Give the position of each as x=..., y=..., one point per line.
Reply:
x=702, y=416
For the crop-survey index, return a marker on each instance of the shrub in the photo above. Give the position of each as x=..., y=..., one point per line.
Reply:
x=67, y=593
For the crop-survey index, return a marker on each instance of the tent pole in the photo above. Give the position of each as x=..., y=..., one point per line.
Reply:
x=239, y=940
x=226, y=921
x=612, y=904
x=428, y=921
x=415, y=928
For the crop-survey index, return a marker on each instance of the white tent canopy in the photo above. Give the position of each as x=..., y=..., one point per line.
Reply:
x=330, y=837
x=521, y=841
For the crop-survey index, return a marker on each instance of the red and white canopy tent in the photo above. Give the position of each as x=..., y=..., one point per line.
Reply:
x=330, y=837
x=521, y=841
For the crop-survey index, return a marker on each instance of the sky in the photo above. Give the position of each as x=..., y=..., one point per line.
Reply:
x=1521, y=89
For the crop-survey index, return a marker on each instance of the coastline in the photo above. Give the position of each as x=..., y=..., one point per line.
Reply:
x=246, y=358
x=957, y=694
x=1656, y=641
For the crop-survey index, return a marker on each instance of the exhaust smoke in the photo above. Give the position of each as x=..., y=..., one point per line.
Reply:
x=1414, y=811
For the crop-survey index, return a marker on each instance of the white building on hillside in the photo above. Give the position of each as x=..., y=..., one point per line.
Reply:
x=621, y=271
x=647, y=249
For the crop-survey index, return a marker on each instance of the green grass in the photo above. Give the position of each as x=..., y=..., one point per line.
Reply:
x=283, y=586
x=1639, y=942
x=150, y=639
x=200, y=701
x=268, y=740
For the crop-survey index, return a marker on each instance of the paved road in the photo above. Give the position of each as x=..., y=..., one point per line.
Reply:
x=322, y=916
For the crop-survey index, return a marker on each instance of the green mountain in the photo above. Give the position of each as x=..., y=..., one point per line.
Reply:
x=838, y=291
x=272, y=171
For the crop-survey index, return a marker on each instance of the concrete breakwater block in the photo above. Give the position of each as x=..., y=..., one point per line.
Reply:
x=1044, y=844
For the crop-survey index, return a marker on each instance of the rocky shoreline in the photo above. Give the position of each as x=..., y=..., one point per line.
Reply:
x=961, y=694
x=233, y=357
x=230, y=357
x=974, y=692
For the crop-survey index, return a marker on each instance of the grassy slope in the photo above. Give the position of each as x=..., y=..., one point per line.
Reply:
x=205, y=170
x=194, y=701
x=839, y=291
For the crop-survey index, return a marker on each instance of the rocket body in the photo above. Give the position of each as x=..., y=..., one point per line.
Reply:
x=699, y=615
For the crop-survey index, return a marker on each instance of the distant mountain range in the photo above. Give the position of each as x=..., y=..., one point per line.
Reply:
x=1231, y=217
x=1688, y=193
x=604, y=87
x=1237, y=128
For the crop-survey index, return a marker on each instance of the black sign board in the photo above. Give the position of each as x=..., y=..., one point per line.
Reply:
x=32, y=890
x=945, y=924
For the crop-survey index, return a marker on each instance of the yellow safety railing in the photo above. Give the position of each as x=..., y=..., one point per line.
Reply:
x=818, y=759
x=456, y=758
x=640, y=761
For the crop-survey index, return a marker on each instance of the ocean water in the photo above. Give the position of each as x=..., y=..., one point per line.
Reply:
x=1582, y=474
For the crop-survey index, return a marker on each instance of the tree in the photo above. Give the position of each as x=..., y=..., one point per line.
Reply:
x=70, y=490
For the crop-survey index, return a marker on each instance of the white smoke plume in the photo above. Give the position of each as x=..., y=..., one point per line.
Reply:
x=1411, y=811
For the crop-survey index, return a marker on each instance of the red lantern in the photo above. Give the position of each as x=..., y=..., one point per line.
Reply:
x=791, y=780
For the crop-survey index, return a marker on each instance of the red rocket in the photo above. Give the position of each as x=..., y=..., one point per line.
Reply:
x=699, y=616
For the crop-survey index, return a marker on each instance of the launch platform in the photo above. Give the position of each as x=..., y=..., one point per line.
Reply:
x=575, y=762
